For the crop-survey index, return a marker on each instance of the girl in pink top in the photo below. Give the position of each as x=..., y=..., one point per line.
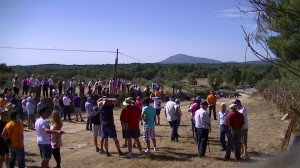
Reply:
x=56, y=141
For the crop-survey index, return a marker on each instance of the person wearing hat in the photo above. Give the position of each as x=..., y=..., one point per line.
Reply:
x=244, y=135
x=130, y=117
x=14, y=137
x=212, y=101
x=234, y=122
x=202, y=126
x=3, y=146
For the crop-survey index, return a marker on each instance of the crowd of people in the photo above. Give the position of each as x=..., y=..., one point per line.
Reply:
x=100, y=119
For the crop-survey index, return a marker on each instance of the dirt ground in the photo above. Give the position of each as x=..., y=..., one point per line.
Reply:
x=265, y=133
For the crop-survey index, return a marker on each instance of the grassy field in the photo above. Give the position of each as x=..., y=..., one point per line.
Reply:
x=265, y=132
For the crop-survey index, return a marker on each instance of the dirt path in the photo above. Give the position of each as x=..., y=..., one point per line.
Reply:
x=265, y=130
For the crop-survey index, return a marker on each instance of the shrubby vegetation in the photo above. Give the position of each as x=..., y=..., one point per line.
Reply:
x=181, y=76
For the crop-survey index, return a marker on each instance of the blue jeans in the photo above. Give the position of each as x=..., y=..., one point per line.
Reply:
x=88, y=124
x=202, y=138
x=16, y=154
x=223, y=132
x=174, y=129
x=234, y=142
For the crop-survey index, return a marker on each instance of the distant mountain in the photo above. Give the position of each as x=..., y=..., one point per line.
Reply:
x=186, y=59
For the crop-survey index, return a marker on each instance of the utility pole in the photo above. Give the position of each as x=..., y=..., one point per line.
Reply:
x=116, y=63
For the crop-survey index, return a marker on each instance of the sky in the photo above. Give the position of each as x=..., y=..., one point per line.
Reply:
x=143, y=31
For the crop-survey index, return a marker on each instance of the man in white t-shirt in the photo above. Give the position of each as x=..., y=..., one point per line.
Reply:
x=172, y=117
x=43, y=137
x=67, y=107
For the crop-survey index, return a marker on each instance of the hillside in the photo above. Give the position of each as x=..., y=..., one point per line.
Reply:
x=185, y=59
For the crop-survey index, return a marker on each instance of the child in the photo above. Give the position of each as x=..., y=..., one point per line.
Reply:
x=56, y=141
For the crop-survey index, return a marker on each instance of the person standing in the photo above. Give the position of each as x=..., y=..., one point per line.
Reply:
x=234, y=122
x=130, y=117
x=202, y=126
x=157, y=105
x=3, y=146
x=108, y=127
x=212, y=101
x=51, y=85
x=172, y=118
x=38, y=86
x=77, y=107
x=193, y=108
x=15, y=83
x=178, y=111
x=148, y=115
x=32, y=84
x=60, y=86
x=56, y=141
x=43, y=138
x=89, y=109
x=67, y=107
x=244, y=134
x=222, y=115
x=45, y=85
x=13, y=134
x=30, y=112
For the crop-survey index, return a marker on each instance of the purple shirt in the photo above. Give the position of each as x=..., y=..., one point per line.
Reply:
x=76, y=101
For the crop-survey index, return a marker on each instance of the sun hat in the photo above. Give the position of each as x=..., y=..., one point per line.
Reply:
x=233, y=106
x=128, y=101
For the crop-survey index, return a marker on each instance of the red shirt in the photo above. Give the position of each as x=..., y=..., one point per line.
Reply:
x=131, y=115
x=195, y=107
x=139, y=104
x=235, y=120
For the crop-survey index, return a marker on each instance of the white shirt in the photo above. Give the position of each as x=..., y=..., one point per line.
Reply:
x=222, y=117
x=245, y=114
x=41, y=136
x=32, y=82
x=66, y=101
x=51, y=82
x=170, y=111
x=157, y=102
x=202, y=119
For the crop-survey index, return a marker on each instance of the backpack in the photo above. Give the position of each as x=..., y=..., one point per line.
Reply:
x=95, y=116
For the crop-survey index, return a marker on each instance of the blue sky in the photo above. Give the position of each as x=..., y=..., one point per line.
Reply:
x=146, y=31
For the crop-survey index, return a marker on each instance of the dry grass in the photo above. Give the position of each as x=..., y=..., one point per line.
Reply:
x=78, y=150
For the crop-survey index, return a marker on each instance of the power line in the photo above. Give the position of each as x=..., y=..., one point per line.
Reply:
x=131, y=57
x=69, y=50
x=54, y=49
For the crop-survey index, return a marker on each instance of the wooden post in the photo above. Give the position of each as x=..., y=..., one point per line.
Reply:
x=116, y=63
